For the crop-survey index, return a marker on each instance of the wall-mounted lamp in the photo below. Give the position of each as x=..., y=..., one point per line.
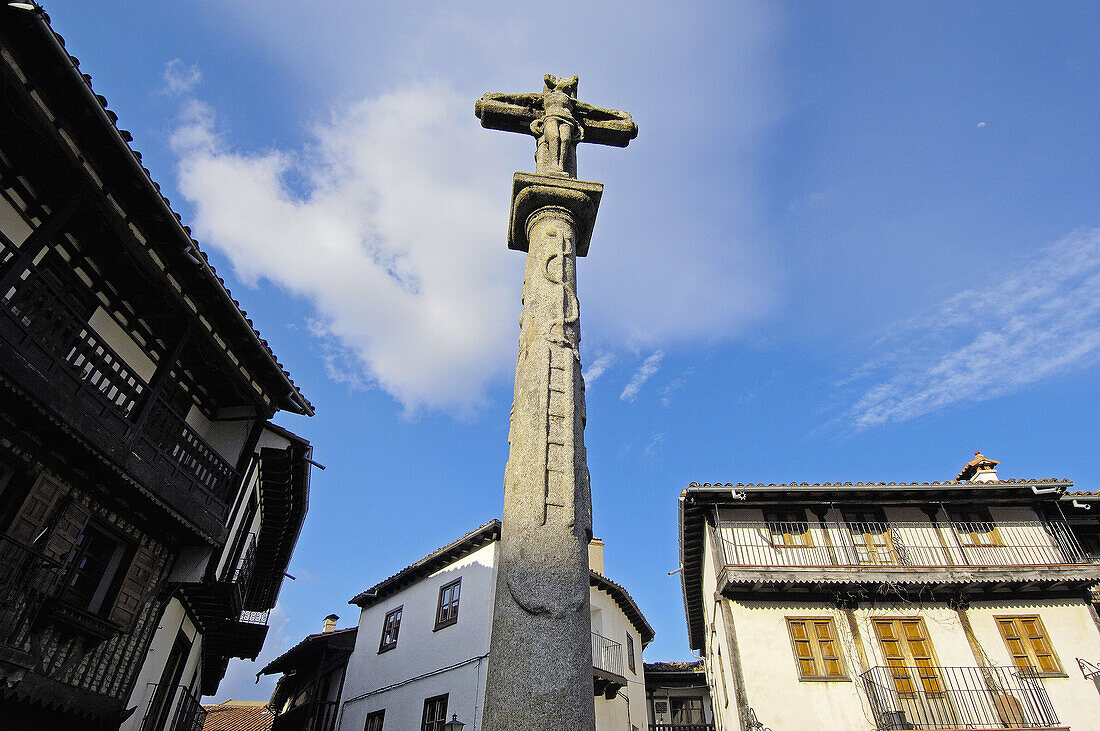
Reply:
x=454, y=724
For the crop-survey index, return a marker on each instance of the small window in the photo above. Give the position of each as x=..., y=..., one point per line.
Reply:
x=788, y=528
x=91, y=567
x=374, y=720
x=1027, y=642
x=435, y=713
x=687, y=711
x=816, y=650
x=390, y=627
x=446, y=612
x=630, y=652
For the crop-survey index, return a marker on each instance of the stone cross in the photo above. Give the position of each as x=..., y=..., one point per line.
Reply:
x=540, y=656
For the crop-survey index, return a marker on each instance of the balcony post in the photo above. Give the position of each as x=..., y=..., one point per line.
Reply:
x=38, y=240
x=932, y=512
x=156, y=383
x=955, y=533
x=822, y=511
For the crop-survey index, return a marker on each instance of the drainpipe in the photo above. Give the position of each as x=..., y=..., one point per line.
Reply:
x=1045, y=490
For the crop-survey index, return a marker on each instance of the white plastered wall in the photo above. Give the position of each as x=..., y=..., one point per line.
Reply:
x=629, y=704
x=172, y=621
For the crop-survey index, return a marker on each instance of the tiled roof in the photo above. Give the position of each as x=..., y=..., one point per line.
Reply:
x=626, y=603
x=434, y=561
x=290, y=659
x=971, y=467
x=238, y=716
x=946, y=483
x=173, y=231
x=695, y=666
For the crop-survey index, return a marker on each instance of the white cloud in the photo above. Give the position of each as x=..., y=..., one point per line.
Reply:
x=396, y=240
x=1040, y=321
x=649, y=366
x=598, y=368
x=179, y=79
x=981, y=124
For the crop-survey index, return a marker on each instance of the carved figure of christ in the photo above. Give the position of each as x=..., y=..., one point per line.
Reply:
x=558, y=121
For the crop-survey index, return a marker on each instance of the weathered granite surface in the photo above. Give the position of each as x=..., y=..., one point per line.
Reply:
x=540, y=656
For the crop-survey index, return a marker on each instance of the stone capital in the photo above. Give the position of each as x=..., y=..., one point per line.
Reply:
x=532, y=192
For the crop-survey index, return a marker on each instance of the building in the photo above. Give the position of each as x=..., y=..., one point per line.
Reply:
x=148, y=507
x=943, y=605
x=308, y=692
x=677, y=697
x=420, y=650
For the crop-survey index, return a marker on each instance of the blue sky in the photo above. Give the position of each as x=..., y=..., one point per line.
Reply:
x=851, y=242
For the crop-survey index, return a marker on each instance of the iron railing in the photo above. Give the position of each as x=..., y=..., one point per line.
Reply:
x=607, y=655
x=311, y=716
x=834, y=543
x=189, y=715
x=28, y=579
x=61, y=344
x=936, y=697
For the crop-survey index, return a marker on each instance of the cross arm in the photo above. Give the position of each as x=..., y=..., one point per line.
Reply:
x=605, y=126
x=509, y=112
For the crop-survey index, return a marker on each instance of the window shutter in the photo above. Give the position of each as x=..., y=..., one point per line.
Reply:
x=26, y=526
x=65, y=532
x=139, y=579
x=35, y=510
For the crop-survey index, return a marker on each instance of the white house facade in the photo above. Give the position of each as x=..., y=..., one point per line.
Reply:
x=962, y=604
x=423, y=641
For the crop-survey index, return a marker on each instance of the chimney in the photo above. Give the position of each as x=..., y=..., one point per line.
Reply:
x=595, y=555
x=330, y=623
x=979, y=469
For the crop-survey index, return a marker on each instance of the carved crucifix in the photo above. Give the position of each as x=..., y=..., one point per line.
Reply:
x=540, y=659
x=558, y=121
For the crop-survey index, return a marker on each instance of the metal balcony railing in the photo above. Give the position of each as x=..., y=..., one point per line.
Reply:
x=607, y=655
x=188, y=713
x=681, y=727
x=1006, y=543
x=28, y=579
x=936, y=697
x=82, y=369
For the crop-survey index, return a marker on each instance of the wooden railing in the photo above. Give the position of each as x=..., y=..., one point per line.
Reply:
x=934, y=697
x=1004, y=543
x=312, y=716
x=28, y=579
x=86, y=373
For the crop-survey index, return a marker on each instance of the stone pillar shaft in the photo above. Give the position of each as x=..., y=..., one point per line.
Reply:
x=540, y=661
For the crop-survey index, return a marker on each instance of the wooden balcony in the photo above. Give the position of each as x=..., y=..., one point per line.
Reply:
x=312, y=716
x=50, y=352
x=934, y=697
x=1011, y=554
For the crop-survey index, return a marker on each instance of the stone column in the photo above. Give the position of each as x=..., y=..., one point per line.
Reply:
x=540, y=659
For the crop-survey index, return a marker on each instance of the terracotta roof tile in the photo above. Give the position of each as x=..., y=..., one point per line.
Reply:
x=238, y=716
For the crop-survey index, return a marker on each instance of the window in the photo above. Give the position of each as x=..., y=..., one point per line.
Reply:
x=435, y=713
x=788, y=528
x=374, y=720
x=160, y=708
x=390, y=627
x=91, y=566
x=687, y=710
x=816, y=650
x=1027, y=642
x=630, y=652
x=446, y=612
x=975, y=527
x=909, y=655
